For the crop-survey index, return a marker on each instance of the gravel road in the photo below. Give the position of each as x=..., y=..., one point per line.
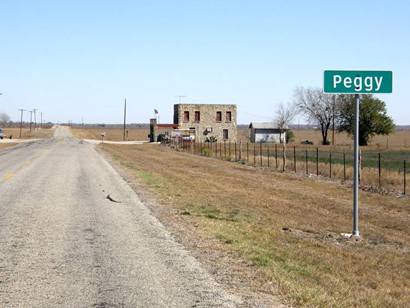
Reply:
x=65, y=244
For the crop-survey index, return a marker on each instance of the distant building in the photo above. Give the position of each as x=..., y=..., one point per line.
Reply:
x=266, y=132
x=207, y=121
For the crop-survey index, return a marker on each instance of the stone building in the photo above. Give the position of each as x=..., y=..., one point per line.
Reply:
x=207, y=121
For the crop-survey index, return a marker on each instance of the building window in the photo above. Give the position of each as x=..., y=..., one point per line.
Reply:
x=225, y=134
x=197, y=116
x=186, y=116
x=228, y=116
x=219, y=116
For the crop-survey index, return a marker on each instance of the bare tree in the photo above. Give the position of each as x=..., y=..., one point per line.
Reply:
x=318, y=107
x=4, y=118
x=284, y=115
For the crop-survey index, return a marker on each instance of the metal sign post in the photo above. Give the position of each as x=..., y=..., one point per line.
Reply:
x=355, y=231
x=357, y=82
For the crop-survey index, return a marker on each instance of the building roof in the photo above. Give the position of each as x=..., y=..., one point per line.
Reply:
x=263, y=125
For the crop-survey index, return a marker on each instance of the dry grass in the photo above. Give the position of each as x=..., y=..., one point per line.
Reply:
x=6, y=145
x=26, y=134
x=247, y=210
x=112, y=134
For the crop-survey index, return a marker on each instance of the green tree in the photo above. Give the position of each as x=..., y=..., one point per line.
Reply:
x=373, y=117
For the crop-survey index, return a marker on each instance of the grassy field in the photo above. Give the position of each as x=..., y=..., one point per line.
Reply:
x=112, y=134
x=26, y=134
x=287, y=227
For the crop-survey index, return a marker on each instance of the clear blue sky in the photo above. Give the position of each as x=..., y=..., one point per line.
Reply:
x=74, y=59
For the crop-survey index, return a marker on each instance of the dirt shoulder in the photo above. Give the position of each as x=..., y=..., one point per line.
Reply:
x=265, y=234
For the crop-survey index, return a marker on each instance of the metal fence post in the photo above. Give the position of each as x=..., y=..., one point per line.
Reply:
x=276, y=155
x=247, y=152
x=380, y=171
x=344, y=166
x=317, y=161
x=224, y=149
x=240, y=150
x=260, y=152
x=404, y=177
x=235, y=153
x=306, y=162
x=268, y=154
x=294, y=158
x=330, y=164
x=229, y=147
x=220, y=150
x=283, y=158
x=254, y=154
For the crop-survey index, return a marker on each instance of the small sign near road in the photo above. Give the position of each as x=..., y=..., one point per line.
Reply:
x=358, y=82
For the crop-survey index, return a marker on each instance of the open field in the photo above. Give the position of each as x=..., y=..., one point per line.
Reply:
x=285, y=226
x=26, y=134
x=112, y=134
x=398, y=139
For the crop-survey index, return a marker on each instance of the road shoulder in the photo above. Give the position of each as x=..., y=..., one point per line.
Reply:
x=236, y=275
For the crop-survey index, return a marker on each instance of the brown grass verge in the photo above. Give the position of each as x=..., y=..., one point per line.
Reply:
x=112, y=134
x=6, y=145
x=287, y=227
x=26, y=134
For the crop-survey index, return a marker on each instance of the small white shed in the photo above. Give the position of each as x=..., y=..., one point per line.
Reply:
x=266, y=132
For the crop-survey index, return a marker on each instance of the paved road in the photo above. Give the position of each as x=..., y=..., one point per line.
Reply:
x=63, y=243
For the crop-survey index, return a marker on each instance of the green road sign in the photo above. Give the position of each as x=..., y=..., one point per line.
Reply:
x=358, y=82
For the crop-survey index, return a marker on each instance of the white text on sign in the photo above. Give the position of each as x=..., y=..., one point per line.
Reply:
x=359, y=83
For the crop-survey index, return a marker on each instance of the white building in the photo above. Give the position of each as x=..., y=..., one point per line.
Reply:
x=266, y=132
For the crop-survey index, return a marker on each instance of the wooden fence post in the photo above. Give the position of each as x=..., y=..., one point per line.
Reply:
x=268, y=154
x=224, y=149
x=294, y=158
x=240, y=150
x=317, y=161
x=247, y=152
x=235, y=153
x=276, y=155
x=260, y=152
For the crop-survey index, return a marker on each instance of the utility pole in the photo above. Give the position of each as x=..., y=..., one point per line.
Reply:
x=179, y=98
x=31, y=118
x=21, y=120
x=125, y=117
x=35, y=119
